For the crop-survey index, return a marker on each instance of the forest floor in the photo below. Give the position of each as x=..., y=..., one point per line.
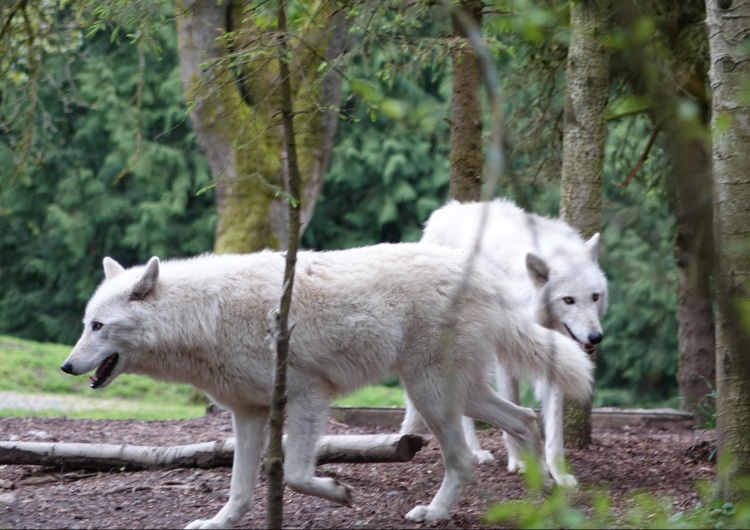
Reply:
x=667, y=463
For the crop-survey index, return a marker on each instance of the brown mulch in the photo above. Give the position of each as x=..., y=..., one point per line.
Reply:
x=622, y=460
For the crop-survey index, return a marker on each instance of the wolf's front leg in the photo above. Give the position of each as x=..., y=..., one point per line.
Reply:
x=444, y=421
x=552, y=413
x=251, y=437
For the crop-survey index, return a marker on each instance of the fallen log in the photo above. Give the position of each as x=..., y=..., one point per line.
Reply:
x=350, y=449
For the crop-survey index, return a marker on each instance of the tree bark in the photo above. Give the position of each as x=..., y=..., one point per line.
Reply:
x=727, y=25
x=689, y=192
x=671, y=80
x=235, y=118
x=341, y=449
x=584, y=133
x=466, y=158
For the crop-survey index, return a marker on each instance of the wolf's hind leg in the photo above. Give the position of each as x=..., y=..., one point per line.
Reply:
x=306, y=421
x=444, y=420
x=413, y=422
x=481, y=456
x=517, y=422
x=251, y=437
x=507, y=386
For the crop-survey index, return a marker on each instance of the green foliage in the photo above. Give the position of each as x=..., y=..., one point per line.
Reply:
x=390, y=164
x=34, y=367
x=640, y=348
x=109, y=178
x=592, y=509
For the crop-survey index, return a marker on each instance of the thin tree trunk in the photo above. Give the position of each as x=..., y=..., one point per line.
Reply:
x=466, y=158
x=587, y=93
x=275, y=458
x=727, y=23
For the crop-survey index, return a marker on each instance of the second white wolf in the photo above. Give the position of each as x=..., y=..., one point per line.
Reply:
x=359, y=315
x=556, y=276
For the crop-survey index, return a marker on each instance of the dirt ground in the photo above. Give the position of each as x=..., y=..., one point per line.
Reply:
x=622, y=460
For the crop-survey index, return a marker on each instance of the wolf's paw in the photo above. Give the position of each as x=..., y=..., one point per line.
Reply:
x=483, y=457
x=326, y=488
x=347, y=495
x=548, y=483
x=566, y=480
x=516, y=466
x=420, y=514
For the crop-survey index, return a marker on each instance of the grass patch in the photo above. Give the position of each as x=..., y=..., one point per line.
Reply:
x=374, y=396
x=34, y=368
x=131, y=411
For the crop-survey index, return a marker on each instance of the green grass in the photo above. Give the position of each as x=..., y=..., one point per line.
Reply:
x=133, y=410
x=34, y=368
x=374, y=396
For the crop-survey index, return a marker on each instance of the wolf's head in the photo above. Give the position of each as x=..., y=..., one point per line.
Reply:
x=571, y=293
x=110, y=324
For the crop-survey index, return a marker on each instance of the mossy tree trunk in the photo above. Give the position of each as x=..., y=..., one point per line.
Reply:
x=231, y=77
x=584, y=133
x=727, y=23
x=466, y=158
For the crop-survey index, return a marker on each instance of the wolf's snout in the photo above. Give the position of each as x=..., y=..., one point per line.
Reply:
x=67, y=368
x=596, y=337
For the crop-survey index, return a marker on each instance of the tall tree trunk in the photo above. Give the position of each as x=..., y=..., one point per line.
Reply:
x=690, y=190
x=727, y=23
x=584, y=133
x=234, y=115
x=670, y=82
x=466, y=159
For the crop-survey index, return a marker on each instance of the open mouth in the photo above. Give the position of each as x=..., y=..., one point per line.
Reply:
x=587, y=347
x=103, y=371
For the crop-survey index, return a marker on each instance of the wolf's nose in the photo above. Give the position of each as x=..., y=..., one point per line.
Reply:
x=67, y=368
x=595, y=337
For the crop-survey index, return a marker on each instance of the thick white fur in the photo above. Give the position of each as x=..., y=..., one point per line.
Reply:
x=510, y=234
x=359, y=315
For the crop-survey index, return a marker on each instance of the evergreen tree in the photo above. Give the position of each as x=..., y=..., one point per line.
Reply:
x=114, y=171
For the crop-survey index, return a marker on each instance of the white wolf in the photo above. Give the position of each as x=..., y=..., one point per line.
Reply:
x=558, y=280
x=359, y=316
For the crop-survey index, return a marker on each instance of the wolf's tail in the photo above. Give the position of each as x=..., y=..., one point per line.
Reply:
x=543, y=353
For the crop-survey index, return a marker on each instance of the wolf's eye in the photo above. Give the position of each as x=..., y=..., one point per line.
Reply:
x=595, y=297
x=569, y=300
x=96, y=326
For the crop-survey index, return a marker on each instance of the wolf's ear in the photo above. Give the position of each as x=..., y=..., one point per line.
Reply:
x=592, y=247
x=537, y=269
x=148, y=281
x=111, y=268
